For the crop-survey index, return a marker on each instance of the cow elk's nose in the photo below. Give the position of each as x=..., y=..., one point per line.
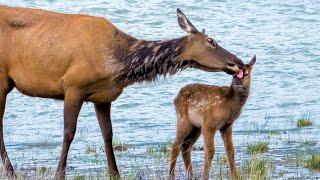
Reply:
x=233, y=67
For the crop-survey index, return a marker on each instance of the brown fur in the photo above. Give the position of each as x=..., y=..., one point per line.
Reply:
x=204, y=109
x=81, y=58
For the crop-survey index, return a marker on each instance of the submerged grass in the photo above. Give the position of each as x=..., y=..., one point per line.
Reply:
x=91, y=149
x=260, y=147
x=255, y=169
x=304, y=121
x=119, y=145
x=313, y=162
x=301, y=123
x=78, y=178
x=161, y=150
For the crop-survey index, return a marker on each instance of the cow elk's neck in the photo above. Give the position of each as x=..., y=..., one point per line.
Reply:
x=147, y=60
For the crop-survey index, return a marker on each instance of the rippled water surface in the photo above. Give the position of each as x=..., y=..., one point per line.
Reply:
x=285, y=86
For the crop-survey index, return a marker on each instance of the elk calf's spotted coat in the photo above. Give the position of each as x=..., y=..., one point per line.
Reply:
x=204, y=109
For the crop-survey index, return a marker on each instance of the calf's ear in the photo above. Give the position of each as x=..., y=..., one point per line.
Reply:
x=252, y=62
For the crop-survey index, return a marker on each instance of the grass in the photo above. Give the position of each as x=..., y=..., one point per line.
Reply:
x=119, y=146
x=255, y=169
x=260, y=147
x=251, y=164
x=42, y=170
x=304, y=122
x=161, y=150
x=91, y=149
x=313, y=162
x=274, y=132
x=78, y=178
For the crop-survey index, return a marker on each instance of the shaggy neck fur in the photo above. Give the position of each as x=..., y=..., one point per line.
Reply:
x=147, y=60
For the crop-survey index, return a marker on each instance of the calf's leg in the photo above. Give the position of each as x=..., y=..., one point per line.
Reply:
x=187, y=147
x=208, y=135
x=226, y=134
x=183, y=129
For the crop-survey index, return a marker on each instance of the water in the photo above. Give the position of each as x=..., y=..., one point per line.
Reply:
x=285, y=82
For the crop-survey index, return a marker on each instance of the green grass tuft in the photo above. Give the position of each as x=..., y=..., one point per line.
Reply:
x=91, y=149
x=162, y=150
x=78, y=178
x=42, y=170
x=255, y=169
x=258, y=167
x=260, y=147
x=274, y=132
x=301, y=123
x=313, y=162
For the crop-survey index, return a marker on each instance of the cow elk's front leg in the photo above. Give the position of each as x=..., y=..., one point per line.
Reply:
x=5, y=88
x=208, y=135
x=226, y=134
x=103, y=116
x=73, y=101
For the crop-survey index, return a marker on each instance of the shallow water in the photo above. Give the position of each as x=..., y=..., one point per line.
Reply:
x=285, y=82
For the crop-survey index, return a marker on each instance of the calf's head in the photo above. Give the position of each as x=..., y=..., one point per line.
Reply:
x=241, y=80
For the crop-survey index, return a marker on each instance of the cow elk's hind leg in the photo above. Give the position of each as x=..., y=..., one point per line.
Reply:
x=187, y=147
x=72, y=104
x=6, y=86
x=226, y=134
x=103, y=116
x=208, y=135
x=183, y=128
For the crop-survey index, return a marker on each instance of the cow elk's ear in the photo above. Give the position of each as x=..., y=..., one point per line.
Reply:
x=252, y=62
x=184, y=23
x=203, y=31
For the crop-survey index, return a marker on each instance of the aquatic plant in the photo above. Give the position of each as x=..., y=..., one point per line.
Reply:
x=313, y=162
x=260, y=147
x=304, y=123
x=255, y=169
x=91, y=149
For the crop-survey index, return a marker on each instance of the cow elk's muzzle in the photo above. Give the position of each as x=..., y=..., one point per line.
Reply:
x=234, y=66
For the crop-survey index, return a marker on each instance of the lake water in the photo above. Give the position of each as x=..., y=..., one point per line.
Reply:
x=285, y=86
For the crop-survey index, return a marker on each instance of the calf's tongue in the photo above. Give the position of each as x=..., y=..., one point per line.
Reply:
x=240, y=74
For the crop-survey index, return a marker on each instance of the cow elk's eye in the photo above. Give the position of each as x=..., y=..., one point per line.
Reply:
x=212, y=42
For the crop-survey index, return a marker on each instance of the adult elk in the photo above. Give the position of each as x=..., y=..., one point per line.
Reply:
x=79, y=58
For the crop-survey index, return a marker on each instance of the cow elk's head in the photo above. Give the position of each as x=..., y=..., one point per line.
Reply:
x=203, y=52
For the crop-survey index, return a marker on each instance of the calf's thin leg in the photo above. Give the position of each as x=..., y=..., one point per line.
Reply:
x=5, y=88
x=104, y=119
x=226, y=134
x=208, y=135
x=187, y=147
x=182, y=131
x=73, y=101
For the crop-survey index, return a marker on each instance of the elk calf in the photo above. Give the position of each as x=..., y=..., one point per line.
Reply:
x=204, y=109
